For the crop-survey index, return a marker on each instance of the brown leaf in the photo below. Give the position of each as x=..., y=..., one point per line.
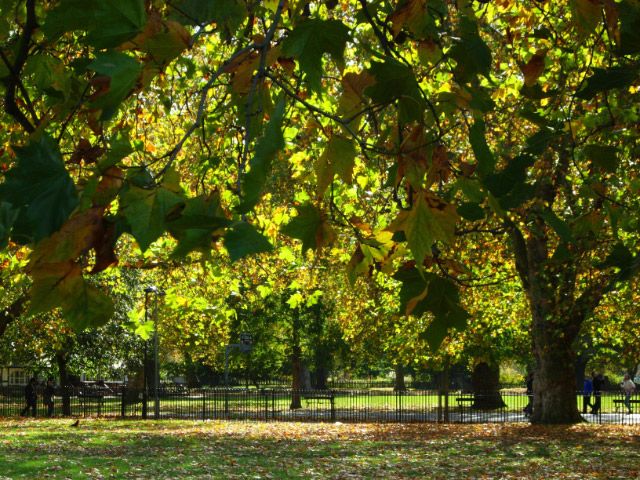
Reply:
x=104, y=246
x=533, y=68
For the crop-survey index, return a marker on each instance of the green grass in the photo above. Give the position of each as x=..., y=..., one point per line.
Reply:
x=227, y=450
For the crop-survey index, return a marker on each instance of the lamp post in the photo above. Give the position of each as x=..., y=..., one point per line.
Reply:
x=156, y=372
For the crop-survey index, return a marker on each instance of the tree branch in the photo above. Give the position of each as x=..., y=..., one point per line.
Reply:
x=520, y=253
x=13, y=82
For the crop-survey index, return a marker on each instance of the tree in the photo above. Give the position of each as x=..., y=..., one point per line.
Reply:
x=400, y=132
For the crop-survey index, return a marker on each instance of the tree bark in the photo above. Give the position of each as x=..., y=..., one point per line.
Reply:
x=65, y=384
x=556, y=319
x=399, y=385
x=554, y=381
x=486, y=386
x=320, y=378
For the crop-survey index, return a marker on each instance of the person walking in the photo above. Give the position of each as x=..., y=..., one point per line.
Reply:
x=598, y=383
x=31, y=397
x=587, y=390
x=49, y=392
x=628, y=387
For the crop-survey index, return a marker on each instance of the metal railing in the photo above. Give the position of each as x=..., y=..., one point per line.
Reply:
x=275, y=404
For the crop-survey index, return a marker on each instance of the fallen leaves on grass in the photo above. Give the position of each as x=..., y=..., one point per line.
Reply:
x=216, y=449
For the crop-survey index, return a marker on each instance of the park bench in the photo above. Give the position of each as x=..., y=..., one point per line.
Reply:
x=319, y=397
x=89, y=393
x=618, y=403
x=463, y=400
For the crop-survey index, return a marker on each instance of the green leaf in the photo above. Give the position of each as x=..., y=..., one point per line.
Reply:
x=87, y=307
x=471, y=189
x=61, y=285
x=486, y=160
x=539, y=141
x=243, y=239
x=123, y=72
x=48, y=74
x=470, y=211
x=428, y=221
x=194, y=229
x=443, y=300
x=312, y=38
x=603, y=156
x=481, y=99
x=511, y=177
x=619, y=257
x=587, y=14
x=395, y=80
x=413, y=289
x=108, y=22
x=421, y=293
x=119, y=148
x=40, y=188
x=146, y=210
x=471, y=53
x=338, y=157
x=559, y=226
x=305, y=226
x=629, y=12
x=226, y=14
x=267, y=147
x=604, y=80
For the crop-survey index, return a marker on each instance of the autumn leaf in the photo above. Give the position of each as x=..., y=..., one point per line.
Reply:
x=429, y=220
x=533, y=69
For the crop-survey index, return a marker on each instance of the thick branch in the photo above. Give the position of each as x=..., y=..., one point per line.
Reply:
x=13, y=80
x=520, y=252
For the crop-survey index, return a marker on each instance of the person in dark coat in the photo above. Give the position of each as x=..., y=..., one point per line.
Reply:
x=49, y=392
x=598, y=383
x=31, y=397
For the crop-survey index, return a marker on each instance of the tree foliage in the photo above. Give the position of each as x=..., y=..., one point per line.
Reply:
x=403, y=133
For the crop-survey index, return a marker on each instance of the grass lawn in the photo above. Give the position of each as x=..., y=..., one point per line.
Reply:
x=179, y=449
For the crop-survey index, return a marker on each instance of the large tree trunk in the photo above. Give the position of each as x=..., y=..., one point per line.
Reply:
x=557, y=318
x=398, y=384
x=557, y=314
x=554, y=381
x=320, y=377
x=486, y=386
x=65, y=383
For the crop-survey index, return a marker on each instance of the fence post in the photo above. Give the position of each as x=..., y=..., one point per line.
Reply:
x=333, y=405
x=273, y=404
x=204, y=404
x=266, y=404
x=123, y=406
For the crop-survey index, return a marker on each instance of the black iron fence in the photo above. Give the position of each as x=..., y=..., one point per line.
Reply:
x=275, y=404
